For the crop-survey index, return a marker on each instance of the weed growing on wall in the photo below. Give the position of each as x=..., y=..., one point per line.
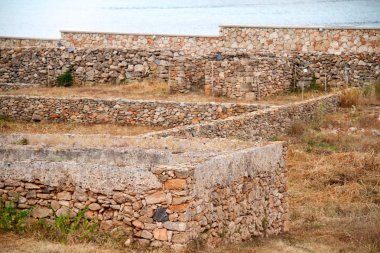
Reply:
x=66, y=79
x=12, y=218
x=67, y=227
x=313, y=83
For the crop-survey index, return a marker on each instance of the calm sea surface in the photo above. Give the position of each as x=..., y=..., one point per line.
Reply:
x=45, y=18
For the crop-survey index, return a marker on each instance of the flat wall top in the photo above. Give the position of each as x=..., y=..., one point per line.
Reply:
x=140, y=34
x=301, y=27
x=28, y=38
x=109, y=141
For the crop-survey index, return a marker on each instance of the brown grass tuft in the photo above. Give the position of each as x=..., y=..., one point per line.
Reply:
x=350, y=97
x=297, y=128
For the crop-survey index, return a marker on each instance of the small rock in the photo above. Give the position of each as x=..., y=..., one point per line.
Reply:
x=138, y=224
x=64, y=196
x=160, y=234
x=94, y=207
x=41, y=212
x=175, y=226
x=160, y=215
x=155, y=198
x=175, y=184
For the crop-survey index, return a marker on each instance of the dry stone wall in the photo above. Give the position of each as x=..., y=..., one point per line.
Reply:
x=279, y=54
x=6, y=42
x=119, y=111
x=246, y=39
x=260, y=75
x=43, y=65
x=264, y=123
x=248, y=77
x=331, y=40
x=191, y=45
x=166, y=202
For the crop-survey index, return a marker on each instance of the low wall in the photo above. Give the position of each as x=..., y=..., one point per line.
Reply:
x=14, y=42
x=247, y=39
x=156, y=204
x=279, y=54
x=44, y=65
x=119, y=111
x=257, y=125
x=260, y=75
x=191, y=45
x=331, y=40
x=249, y=77
x=234, y=75
x=16, y=86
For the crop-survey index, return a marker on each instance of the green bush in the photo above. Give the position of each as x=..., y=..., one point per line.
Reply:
x=77, y=228
x=11, y=218
x=66, y=79
x=377, y=89
x=313, y=83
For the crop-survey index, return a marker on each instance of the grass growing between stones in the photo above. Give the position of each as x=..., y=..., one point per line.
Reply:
x=9, y=126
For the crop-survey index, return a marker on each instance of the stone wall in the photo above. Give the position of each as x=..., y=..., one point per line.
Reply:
x=331, y=40
x=264, y=123
x=344, y=55
x=16, y=86
x=246, y=39
x=248, y=77
x=191, y=45
x=234, y=75
x=166, y=203
x=43, y=65
x=119, y=111
x=260, y=75
x=13, y=42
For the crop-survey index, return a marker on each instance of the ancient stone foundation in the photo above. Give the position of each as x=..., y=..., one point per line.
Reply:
x=157, y=192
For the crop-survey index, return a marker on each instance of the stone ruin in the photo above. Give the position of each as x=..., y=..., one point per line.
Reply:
x=158, y=192
x=188, y=184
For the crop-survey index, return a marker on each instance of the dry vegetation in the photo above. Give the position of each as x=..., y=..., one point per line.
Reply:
x=334, y=188
x=149, y=89
x=9, y=126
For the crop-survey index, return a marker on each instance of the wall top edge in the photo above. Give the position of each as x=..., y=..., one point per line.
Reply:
x=128, y=100
x=302, y=27
x=27, y=38
x=143, y=34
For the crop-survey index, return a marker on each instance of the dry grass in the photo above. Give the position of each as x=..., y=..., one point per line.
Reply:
x=145, y=90
x=7, y=126
x=350, y=98
x=150, y=90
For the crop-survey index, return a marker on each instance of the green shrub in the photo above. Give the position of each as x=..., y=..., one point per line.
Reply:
x=313, y=83
x=66, y=79
x=64, y=227
x=11, y=218
x=377, y=89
